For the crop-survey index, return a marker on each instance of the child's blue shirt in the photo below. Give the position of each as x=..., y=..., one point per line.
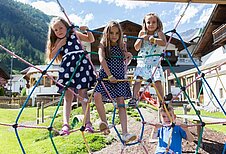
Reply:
x=176, y=141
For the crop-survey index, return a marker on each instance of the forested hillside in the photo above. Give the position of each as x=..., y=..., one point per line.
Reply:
x=23, y=29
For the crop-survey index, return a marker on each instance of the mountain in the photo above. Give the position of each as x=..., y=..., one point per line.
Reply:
x=191, y=34
x=23, y=30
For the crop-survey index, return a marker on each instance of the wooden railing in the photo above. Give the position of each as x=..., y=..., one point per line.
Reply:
x=14, y=102
x=219, y=35
x=43, y=102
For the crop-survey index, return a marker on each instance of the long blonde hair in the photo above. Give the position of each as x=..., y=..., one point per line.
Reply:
x=159, y=23
x=52, y=38
x=105, y=40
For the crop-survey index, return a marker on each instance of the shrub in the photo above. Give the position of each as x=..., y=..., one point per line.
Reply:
x=23, y=92
x=2, y=91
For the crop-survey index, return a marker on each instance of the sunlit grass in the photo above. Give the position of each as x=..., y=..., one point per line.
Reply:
x=37, y=141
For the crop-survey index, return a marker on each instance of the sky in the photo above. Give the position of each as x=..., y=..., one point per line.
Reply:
x=97, y=13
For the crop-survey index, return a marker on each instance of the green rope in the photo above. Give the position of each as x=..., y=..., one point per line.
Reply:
x=61, y=99
x=200, y=92
x=189, y=100
x=199, y=140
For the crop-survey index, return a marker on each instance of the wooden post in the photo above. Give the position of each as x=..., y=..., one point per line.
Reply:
x=185, y=112
x=53, y=98
x=198, y=128
x=37, y=113
x=168, y=83
x=42, y=108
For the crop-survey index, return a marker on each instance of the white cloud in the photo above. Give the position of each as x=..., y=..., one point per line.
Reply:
x=127, y=4
x=23, y=1
x=53, y=9
x=95, y=1
x=205, y=16
x=191, y=12
x=81, y=21
x=49, y=8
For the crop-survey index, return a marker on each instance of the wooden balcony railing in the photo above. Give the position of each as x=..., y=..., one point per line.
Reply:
x=219, y=35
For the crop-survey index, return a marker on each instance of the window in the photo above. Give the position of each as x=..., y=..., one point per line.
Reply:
x=42, y=81
x=221, y=93
x=55, y=78
x=47, y=82
x=184, y=56
x=224, y=48
x=33, y=81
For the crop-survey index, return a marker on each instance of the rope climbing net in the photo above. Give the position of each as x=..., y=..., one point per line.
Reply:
x=164, y=102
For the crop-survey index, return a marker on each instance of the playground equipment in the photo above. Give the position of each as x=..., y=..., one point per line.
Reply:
x=51, y=129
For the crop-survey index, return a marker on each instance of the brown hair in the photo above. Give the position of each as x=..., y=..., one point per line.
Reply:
x=169, y=108
x=159, y=23
x=105, y=40
x=51, y=39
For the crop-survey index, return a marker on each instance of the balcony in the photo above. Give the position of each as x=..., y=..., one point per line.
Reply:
x=187, y=61
x=219, y=35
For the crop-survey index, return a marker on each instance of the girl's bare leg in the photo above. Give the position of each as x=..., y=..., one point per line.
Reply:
x=122, y=115
x=83, y=94
x=68, y=98
x=100, y=107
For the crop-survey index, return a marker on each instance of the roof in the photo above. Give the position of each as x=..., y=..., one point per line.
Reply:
x=41, y=67
x=205, y=44
x=192, y=1
x=16, y=78
x=3, y=73
x=174, y=40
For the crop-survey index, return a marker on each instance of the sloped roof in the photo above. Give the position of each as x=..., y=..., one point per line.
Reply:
x=205, y=44
x=17, y=77
x=30, y=70
x=174, y=40
x=192, y=1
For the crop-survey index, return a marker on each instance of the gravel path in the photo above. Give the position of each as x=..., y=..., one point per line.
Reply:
x=212, y=142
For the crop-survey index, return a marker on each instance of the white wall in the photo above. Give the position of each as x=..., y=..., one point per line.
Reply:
x=215, y=84
x=17, y=84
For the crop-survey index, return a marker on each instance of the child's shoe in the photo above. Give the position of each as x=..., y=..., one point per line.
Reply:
x=128, y=137
x=65, y=130
x=104, y=128
x=89, y=128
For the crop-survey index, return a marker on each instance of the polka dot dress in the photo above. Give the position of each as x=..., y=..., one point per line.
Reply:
x=116, y=66
x=84, y=76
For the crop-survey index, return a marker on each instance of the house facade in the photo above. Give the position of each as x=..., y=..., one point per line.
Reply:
x=46, y=87
x=210, y=49
x=18, y=82
x=4, y=77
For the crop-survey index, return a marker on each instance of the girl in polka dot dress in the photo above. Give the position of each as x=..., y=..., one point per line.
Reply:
x=112, y=67
x=153, y=42
x=69, y=58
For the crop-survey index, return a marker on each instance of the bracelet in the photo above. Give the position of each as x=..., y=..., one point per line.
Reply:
x=153, y=40
x=110, y=76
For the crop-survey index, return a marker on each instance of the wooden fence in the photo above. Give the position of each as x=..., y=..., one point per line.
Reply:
x=14, y=102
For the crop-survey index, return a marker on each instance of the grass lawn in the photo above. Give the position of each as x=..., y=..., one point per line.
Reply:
x=219, y=127
x=37, y=141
